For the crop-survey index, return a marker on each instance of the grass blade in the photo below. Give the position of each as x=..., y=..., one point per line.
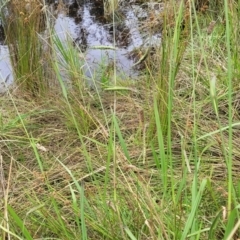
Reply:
x=193, y=210
x=19, y=223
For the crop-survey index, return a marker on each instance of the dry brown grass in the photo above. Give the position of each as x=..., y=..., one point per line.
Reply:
x=46, y=124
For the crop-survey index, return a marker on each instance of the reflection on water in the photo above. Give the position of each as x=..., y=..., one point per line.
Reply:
x=6, y=77
x=94, y=33
x=91, y=32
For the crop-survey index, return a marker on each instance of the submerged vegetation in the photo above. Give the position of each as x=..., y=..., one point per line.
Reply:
x=153, y=158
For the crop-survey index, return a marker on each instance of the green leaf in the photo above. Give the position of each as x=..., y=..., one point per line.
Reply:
x=193, y=210
x=122, y=142
x=19, y=223
x=230, y=224
x=129, y=233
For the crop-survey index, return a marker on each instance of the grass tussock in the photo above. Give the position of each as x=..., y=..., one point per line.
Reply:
x=24, y=23
x=156, y=158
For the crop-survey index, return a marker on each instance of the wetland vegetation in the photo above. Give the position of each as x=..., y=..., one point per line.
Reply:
x=115, y=157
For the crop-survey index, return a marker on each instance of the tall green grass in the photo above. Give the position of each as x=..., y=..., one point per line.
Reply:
x=24, y=24
x=68, y=68
x=170, y=56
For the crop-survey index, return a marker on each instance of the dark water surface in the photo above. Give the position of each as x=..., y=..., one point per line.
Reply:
x=84, y=23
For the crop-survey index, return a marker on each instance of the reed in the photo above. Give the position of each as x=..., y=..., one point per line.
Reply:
x=169, y=54
x=24, y=22
x=68, y=65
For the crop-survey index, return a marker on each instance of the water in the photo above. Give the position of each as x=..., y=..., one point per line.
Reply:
x=6, y=77
x=91, y=32
x=85, y=25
